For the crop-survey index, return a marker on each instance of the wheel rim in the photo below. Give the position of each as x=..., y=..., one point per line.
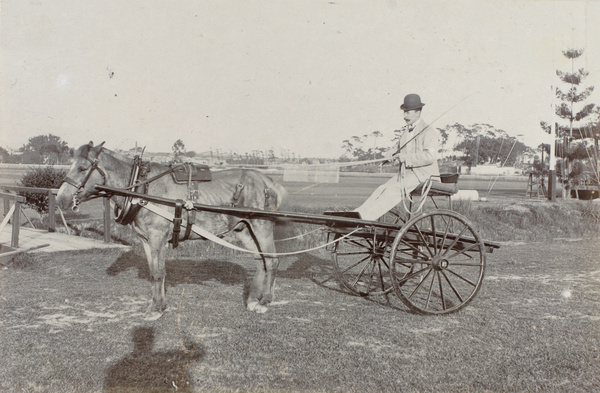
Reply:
x=362, y=261
x=438, y=262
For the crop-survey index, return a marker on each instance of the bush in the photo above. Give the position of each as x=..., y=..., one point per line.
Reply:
x=47, y=177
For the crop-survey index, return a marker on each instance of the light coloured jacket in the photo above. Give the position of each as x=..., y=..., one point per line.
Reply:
x=420, y=154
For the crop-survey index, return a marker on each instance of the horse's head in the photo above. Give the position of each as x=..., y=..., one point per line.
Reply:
x=84, y=174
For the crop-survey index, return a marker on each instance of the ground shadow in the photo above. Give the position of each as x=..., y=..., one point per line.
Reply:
x=320, y=271
x=182, y=271
x=305, y=265
x=148, y=370
x=99, y=235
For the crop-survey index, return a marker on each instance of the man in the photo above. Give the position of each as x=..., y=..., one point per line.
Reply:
x=416, y=154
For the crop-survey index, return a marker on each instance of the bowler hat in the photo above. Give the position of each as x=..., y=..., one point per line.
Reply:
x=412, y=102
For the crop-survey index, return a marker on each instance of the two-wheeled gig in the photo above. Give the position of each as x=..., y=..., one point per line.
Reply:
x=433, y=260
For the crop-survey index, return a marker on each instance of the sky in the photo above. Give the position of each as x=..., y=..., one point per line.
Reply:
x=295, y=76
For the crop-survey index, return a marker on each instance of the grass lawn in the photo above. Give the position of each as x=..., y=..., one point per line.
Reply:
x=72, y=322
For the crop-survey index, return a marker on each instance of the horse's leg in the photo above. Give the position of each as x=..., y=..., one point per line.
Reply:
x=154, y=248
x=272, y=263
x=262, y=288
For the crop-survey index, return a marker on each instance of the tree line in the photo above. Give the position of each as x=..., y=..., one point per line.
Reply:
x=472, y=150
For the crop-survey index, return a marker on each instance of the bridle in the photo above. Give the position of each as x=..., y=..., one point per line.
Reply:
x=81, y=185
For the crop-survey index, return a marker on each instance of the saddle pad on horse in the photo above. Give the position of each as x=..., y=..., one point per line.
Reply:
x=199, y=172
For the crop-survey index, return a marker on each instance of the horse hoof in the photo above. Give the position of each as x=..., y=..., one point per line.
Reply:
x=153, y=316
x=266, y=299
x=256, y=307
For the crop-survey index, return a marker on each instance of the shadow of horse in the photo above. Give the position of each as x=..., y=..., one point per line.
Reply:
x=147, y=370
x=182, y=271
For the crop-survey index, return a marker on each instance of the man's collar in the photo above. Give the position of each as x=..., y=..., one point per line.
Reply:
x=414, y=125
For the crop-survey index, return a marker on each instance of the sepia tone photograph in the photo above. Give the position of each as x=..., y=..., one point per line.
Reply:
x=299, y=196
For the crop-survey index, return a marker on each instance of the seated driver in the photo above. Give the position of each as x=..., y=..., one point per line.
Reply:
x=416, y=154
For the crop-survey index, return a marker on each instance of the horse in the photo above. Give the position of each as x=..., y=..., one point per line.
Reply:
x=97, y=165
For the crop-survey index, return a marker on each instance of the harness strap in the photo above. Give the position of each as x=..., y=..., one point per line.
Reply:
x=188, y=227
x=144, y=182
x=177, y=222
x=126, y=214
x=93, y=167
x=255, y=240
x=237, y=194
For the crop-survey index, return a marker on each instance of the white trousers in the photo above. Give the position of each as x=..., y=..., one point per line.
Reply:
x=388, y=195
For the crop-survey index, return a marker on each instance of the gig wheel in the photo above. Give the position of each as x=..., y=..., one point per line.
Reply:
x=438, y=262
x=361, y=261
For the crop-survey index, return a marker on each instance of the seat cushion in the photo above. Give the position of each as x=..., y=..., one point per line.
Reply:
x=437, y=189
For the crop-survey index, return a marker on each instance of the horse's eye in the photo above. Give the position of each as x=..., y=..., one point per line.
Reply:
x=81, y=169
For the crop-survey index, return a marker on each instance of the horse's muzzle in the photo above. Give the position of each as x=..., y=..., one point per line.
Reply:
x=76, y=202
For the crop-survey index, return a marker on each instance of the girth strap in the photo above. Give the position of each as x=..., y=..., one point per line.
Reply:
x=190, y=223
x=177, y=222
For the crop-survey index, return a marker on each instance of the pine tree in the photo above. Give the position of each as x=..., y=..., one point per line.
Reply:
x=570, y=110
x=574, y=95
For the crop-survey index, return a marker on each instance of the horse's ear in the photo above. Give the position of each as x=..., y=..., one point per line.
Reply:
x=96, y=149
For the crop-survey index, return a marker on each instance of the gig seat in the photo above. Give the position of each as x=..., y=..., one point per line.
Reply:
x=443, y=185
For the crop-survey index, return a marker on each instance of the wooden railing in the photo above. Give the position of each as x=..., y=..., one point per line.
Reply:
x=51, y=193
x=12, y=212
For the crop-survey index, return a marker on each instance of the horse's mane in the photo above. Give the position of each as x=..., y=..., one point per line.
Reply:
x=84, y=152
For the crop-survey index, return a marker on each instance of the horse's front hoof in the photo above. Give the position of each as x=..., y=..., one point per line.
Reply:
x=153, y=315
x=266, y=299
x=256, y=307
x=155, y=311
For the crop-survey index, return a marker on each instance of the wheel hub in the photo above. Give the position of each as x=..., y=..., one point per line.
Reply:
x=439, y=263
x=378, y=251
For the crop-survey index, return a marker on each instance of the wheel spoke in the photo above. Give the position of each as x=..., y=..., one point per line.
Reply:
x=430, y=290
x=420, y=283
x=464, y=251
x=358, y=244
x=435, y=245
x=381, y=273
x=455, y=241
x=461, y=277
x=385, y=263
x=453, y=289
x=371, y=275
x=441, y=291
x=424, y=241
x=355, y=264
x=415, y=249
x=406, y=278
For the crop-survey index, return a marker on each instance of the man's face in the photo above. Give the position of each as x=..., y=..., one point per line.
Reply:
x=411, y=116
